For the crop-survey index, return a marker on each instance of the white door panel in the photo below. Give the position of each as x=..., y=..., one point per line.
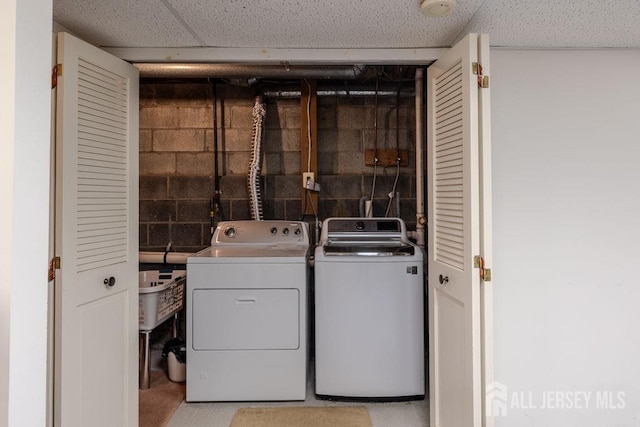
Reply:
x=96, y=317
x=454, y=234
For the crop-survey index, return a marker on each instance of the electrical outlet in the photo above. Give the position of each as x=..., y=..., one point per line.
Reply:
x=306, y=177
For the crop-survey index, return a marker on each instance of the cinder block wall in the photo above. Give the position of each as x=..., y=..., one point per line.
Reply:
x=177, y=159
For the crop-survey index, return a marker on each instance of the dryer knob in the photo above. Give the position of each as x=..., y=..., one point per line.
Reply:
x=230, y=232
x=285, y=231
x=274, y=230
x=297, y=232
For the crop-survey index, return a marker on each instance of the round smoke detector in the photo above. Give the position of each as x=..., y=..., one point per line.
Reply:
x=436, y=8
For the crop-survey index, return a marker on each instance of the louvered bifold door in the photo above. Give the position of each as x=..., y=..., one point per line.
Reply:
x=96, y=375
x=453, y=238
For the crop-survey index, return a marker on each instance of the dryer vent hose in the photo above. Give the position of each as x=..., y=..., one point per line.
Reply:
x=253, y=179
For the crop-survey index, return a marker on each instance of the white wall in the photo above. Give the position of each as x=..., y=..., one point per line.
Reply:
x=7, y=100
x=566, y=197
x=25, y=90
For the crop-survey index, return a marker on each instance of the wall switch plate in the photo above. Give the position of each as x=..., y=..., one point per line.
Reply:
x=308, y=180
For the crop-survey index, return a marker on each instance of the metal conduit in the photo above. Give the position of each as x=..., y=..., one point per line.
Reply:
x=340, y=92
x=186, y=70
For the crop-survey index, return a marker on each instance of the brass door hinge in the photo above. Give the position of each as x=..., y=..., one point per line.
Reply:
x=54, y=265
x=55, y=73
x=483, y=81
x=485, y=273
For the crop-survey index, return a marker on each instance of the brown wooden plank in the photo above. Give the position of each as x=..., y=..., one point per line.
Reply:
x=308, y=115
x=386, y=157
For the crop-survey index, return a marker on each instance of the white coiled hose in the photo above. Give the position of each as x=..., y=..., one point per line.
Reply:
x=253, y=179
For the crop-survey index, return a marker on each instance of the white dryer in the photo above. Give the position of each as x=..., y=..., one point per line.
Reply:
x=247, y=313
x=369, y=311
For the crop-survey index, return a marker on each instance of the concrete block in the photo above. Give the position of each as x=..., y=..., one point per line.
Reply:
x=237, y=163
x=186, y=234
x=158, y=117
x=193, y=211
x=291, y=163
x=328, y=140
x=325, y=164
x=327, y=117
x=208, y=140
x=291, y=140
x=195, y=117
x=225, y=209
x=143, y=235
x=178, y=140
x=354, y=117
x=159, y=235
x=272, y=164
x=157, y=163
x=152, y=187
x=240, y=210
x=350, y=140
x=341, y=186
x=157, y=210
x=408, y=117
x=273, y=209
x=293, y=115
x=146, y=95
x=338, y=207
x=278, y=140
x=144, y=140
x=198, y=164
x=272, y=142
x=386, y=138
x=349, y=162
x=275, y=118
x=234, y=187
x=238, y=139
x=282, y=187
x=241, y=116
x=384, y=183
x=206, y=235
x=293, y=209
x=190, y=187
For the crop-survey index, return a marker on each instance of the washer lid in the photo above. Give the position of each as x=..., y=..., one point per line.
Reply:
x=368, y=248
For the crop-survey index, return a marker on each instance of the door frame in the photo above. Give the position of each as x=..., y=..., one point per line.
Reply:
x=322, y=56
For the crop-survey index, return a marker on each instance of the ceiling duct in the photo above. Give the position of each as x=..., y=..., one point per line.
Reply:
x=282, y=71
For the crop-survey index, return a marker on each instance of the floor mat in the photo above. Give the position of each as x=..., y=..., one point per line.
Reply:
x=328, y=416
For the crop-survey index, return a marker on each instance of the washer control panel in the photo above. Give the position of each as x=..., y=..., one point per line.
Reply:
x=364, y=225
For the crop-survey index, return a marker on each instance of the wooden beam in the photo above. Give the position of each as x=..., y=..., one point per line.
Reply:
x=308, y=142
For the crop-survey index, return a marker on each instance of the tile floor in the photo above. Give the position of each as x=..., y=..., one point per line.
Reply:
x=220, y=414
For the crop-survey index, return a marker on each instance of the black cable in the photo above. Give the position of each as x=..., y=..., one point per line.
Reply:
x=398, y=120
x=214, y=99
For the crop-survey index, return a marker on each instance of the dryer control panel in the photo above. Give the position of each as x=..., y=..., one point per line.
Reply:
x=260, y=233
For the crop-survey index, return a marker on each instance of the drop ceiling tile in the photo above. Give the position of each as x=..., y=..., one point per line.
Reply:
x=123, y=23
x=558, y=24
x=321, y=24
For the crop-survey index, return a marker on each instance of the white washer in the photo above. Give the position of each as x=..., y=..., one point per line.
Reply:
x=369, y=311
x=247, y=313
